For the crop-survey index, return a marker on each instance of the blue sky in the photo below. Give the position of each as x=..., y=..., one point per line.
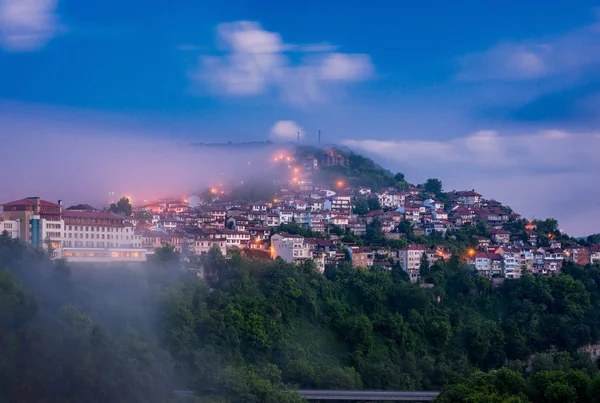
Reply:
x=501, y=96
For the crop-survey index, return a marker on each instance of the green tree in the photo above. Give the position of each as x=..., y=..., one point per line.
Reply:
x=361, y=207
x=433, y=185
x=373, y=203
x=123, y=206
x=424, y=267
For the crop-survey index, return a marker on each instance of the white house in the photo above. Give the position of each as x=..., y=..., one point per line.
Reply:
x=289, y=247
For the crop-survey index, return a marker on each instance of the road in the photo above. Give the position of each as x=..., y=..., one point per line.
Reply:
x=371, y=395
x=368, y=395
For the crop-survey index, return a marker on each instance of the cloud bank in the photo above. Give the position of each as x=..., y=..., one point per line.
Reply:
x=27, y=25
x=574, y=52
x=81, y=162
x=256, y=62
x=543, y=174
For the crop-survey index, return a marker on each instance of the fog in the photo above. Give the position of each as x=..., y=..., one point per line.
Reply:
x=80, y=164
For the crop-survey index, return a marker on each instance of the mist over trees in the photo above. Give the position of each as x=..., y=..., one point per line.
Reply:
x=258, y=329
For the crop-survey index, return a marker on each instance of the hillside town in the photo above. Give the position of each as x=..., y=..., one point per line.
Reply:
x=326, y=219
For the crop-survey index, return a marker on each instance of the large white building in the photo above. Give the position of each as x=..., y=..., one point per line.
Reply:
x=290, y=247
x=91, y=236
x=77, y=236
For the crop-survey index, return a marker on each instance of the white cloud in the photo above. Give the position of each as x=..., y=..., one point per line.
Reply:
x=286, y=130
x=547, y=173
x=27, y=25
x=571, y=52
x=487, y=149
x=256, y=61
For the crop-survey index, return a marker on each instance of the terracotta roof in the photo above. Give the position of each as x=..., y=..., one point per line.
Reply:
x=30, y=202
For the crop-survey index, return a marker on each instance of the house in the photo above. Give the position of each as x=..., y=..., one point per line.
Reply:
x=391, y=199
x=340, y=221
x=361, y=257
x=333, y=158
x=433, y=205
x=482, y=242
x=237, y=239
x=500, y=236
x=300, y=204
x=595, y=254
x=309, y=164
x=357, y=227
x=531, y=237
x=201, y=240
x=286, y=216
x=410, y=213
x=434, y=226
x=272, y=219
x=290, y=248
x=261, y=233
x=409, y=258
x=237, y=223
x=440, y=215
x=341, y=205
x=481, y=262
x=487, y=264
x=511, y=262
x=373, y=215
x=466, y=198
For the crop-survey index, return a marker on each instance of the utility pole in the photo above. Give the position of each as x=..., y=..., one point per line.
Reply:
x=298, y=137
x=319, y=136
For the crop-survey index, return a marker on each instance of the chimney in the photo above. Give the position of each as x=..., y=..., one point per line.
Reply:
x=61, y=205
x=37, y=205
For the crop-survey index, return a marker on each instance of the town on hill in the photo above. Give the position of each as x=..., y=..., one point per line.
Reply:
x=324, y=205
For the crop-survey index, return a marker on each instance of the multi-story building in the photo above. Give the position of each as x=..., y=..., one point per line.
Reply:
x=290, y=247
x=40, y=221
x=409, y=258
x=511, y=261
x=11, y=227
x=92, y=236
x=340, y=205
x=77, y=236
x=362, y=257
x=154, y=239
x=237, y=239
x=200, y=240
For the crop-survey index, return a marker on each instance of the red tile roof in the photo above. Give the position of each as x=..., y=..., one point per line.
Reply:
x=30, y=202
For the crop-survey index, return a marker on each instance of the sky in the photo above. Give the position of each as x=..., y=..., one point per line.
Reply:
x=502, y=97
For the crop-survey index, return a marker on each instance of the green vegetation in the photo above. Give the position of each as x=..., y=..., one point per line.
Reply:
x=362, y=171
x=123, y=206
x=566, y=385
x=259, y=328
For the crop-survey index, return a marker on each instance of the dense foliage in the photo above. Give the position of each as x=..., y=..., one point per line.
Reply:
x=259, y=328
x=361, y=171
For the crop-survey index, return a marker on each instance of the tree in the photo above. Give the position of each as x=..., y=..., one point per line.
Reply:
x=144, y=216
x=405, y=227
x=424, y=268
x=399, y=177
x=373, y=203
x=123, y=206
x=361, y=207
x=433, y=185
